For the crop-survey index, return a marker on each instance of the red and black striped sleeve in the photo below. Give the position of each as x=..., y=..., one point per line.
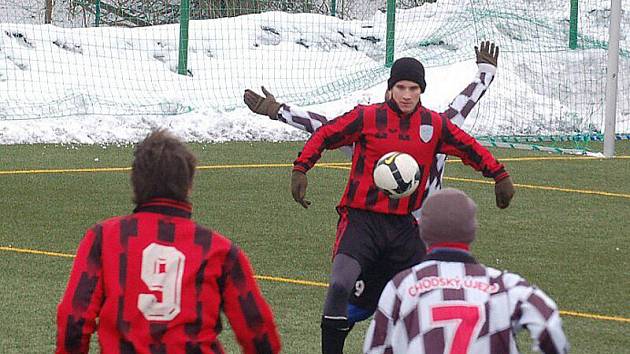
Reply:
x=246, y=309
x=456, y=142
x=341, y=131
x=81, y=303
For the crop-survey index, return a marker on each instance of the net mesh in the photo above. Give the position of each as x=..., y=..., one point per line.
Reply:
x=129, y=64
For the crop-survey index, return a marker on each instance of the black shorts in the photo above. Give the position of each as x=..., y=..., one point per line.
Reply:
x=383, y=245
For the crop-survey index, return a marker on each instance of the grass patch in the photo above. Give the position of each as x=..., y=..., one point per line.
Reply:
x=571, y=244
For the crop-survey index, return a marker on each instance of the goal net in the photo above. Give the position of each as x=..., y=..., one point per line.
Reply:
x=115, y=57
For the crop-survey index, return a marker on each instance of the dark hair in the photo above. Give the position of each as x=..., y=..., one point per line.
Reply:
x=163, y=167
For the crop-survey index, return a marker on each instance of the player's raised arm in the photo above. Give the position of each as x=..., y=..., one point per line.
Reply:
x=262, y=105
x=294, y=116
x=487, y=54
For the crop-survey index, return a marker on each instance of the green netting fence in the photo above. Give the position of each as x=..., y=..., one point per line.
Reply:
x=125, y=57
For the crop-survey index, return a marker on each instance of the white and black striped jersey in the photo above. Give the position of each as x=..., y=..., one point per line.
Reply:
x=457, y=112
x=451, y=304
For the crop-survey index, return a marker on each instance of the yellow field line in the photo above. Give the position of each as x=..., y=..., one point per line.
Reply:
x=547, y=188
x=30, y=251
x=268, y=165
x=551, y=158
x=307, y=283
x=126, y=169
x=594, y=317
x=527, y=186
x=514, y=159
x=67, y=170
x=341, y=166
x=292, y=281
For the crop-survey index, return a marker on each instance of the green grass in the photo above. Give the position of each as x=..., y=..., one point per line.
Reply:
x=573, y=245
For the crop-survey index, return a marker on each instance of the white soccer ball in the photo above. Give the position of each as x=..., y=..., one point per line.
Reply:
x=397, y=174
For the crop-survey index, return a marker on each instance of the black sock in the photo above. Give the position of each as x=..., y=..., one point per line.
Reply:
x=334, y=333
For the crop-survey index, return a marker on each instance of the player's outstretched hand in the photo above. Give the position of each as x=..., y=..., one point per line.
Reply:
x=487, y=53
x=504, y=191
x=262, y=105
x=298, y=188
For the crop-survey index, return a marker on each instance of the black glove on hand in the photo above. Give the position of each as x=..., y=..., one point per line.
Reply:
x=298, y=188
x=262, y=105
x=504, y=191
x=487, y=53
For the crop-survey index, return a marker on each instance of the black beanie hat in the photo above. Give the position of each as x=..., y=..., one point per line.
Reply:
x=407, y=69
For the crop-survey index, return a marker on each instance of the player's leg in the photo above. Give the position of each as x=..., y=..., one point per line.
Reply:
x=335, y=325
x=406, y=249
x=367, y=291
x=354, y=250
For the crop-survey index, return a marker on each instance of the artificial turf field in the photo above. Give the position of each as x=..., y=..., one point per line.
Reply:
x=567, y=231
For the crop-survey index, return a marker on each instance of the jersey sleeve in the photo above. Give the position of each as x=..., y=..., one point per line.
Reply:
x=248, y=312
x=463, y=103
x=539, y=314
x=343, y=130
x=81, y=302
x=301, y=119
x=456, y=142
x=378, y=339
x=307, y=121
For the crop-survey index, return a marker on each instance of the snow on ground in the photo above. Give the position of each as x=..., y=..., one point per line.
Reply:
x=112, y=85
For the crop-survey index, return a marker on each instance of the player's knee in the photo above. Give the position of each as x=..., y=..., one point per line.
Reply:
x=339, y=290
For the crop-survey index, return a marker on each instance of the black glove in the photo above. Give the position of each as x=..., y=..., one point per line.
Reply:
x=298, y=188
x=262, y=105
x=504, y=191
x=487, y=53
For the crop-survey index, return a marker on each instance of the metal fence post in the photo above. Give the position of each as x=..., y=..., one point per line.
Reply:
x=184, y=17
x=573, y=24
x=612, y=73
x=391, y=33
x=97, y=13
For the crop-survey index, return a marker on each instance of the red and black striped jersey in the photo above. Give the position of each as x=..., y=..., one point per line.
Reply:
x=451, y=304
x=157, y=282
x=459, y=108
x=381, y=128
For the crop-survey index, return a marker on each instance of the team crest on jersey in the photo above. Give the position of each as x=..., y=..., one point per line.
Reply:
x=426, y=132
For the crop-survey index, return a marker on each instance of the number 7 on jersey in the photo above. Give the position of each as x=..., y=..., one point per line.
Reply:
x=467, y=319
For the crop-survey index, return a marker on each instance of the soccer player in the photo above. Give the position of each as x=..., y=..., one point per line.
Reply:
x=369, y=286
x=365, y=229
x=450, y=303
x=376, y=233
x=155, y=279
x=487, y=59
